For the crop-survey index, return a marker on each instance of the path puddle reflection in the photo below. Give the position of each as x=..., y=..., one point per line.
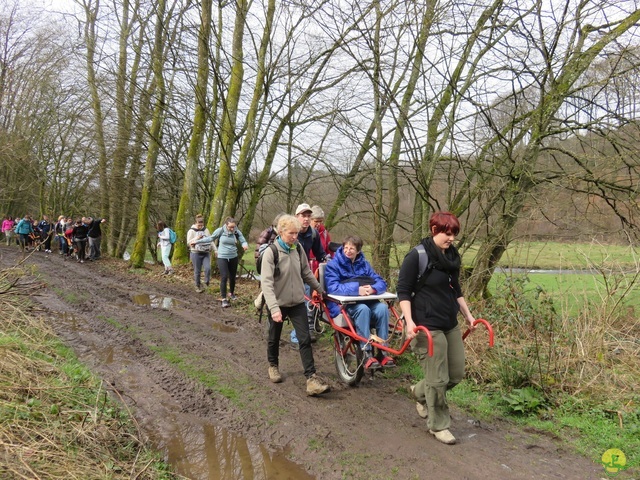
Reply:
x=195, y=448
x=205, y=452
x=220, y=327
x=155, y=301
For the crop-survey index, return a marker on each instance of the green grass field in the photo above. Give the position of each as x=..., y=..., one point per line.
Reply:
x=617, y=267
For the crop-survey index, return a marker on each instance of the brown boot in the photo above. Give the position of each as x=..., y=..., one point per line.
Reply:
x=316, y=386
x=274, y=374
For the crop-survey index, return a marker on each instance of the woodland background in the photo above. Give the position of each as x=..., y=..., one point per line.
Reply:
x=519, y=117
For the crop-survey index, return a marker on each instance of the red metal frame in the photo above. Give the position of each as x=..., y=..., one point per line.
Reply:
x=486, y=324
x=351, y=332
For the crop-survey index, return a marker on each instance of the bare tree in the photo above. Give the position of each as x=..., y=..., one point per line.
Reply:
x=200, y=116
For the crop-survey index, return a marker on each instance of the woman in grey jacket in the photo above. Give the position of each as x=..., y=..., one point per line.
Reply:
x=283, y=289
x=200, y=254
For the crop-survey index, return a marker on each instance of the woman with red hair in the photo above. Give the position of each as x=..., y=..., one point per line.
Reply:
x=432, y=298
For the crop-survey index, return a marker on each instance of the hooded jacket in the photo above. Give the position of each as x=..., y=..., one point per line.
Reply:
x=24, y=227
x=344, y=277
x=195, y=233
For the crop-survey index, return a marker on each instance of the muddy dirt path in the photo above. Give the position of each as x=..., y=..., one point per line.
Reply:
x=256, y=429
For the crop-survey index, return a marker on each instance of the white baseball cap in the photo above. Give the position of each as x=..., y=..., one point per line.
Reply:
x=303, y=207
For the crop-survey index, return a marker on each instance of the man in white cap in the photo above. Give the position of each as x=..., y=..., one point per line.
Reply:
x=310, y=242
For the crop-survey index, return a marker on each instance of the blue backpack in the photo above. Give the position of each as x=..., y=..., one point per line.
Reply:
x=173, y=237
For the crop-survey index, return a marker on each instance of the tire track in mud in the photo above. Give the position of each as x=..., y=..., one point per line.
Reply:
x=371, y=431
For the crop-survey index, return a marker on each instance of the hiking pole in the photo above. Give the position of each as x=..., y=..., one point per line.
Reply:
x=261, y=309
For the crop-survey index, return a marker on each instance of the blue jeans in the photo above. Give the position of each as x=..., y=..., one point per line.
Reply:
x=307, y=292
x=201, y=261
x=64, y=247
x=370, y=314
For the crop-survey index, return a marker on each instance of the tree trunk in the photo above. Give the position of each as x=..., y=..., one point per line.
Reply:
x=229, y=117
x=91, y=14
x=184, y=217
x=237, y=187
x=139, y=248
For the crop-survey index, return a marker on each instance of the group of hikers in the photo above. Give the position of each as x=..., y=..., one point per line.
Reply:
x=289, y=252
x=80, y=238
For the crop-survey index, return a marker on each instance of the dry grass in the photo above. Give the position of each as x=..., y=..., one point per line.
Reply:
x=593, y=355
x=56, y=420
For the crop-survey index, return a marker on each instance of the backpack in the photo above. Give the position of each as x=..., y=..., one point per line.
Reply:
x=423, y=267
x=276, y=257
x=173, y=237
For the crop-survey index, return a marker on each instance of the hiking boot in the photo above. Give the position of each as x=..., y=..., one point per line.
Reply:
x=444, y=436
x=199, y=289
x=420, y=408
x=274, y=374
x=233, y=297
x=225, y=303
x=316, y=386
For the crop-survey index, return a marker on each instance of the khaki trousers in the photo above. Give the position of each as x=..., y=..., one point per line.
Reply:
x=442, y=372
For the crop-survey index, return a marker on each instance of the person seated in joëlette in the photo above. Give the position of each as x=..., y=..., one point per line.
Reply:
x=350, y=274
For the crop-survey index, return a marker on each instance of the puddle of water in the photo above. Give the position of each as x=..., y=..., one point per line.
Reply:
x=203, y=451
x=196, y=449
x=155, y=301
x=220, y=327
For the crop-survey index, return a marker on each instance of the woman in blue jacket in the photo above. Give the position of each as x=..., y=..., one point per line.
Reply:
x=226, y=250
x=349, y=274
x=24, y=228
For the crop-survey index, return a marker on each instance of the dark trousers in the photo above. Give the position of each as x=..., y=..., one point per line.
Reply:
x=298, y=316
x=81, y=247
x=228, y=269
x=23, y=240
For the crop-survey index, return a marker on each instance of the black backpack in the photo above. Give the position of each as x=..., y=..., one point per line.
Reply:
x=423, y=267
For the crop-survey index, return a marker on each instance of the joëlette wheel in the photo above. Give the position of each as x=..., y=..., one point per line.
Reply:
x=349, y=359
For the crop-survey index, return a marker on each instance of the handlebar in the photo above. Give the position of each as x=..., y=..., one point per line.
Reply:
x=429, y=337
x=486, y=324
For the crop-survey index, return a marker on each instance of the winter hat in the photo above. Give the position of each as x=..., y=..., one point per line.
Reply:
x=317, y=212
